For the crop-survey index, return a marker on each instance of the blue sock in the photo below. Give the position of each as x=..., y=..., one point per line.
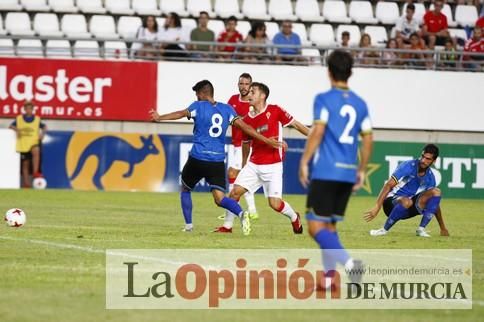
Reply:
x=329, y=240
x=329, y=263
x=231, y=205
x=429, y=212
x=398, y=212
x=186, y=205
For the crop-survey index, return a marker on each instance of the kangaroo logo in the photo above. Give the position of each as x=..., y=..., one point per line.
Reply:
x=113, y=153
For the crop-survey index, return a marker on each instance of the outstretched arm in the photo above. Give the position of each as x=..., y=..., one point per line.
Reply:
x=440, y=220
x=247, y=129
x=387, y=187
x=154, y=116
x=245, y=152
x=303, y=129
x=314, y=139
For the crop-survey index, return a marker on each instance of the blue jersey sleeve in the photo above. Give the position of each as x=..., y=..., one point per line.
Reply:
x=193, y=108
x=404, y=169
x=431, y=183
x=321, y=113
x=231, y=114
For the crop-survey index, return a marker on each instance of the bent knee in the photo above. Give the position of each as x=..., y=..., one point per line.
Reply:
x=406, y=202
x=436, y=192
x=275, y=204
x=232, y=173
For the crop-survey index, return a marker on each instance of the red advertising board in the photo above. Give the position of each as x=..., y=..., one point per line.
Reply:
x=78, y=89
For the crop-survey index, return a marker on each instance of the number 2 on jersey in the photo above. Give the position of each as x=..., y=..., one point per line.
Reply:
x=216, y=129
x=348, y=110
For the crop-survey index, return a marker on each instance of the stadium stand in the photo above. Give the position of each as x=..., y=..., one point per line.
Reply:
x=281, y=10
x=64, y=6
x=47, y=24
x=35, y=5
x=75, y=26
x=362, y=12
x=308, y=10
x=387, y=12
x=195, y=6
x=91, y=6
x=466, y=15
x=58, y=49
x=119, y=7
x=227, y=8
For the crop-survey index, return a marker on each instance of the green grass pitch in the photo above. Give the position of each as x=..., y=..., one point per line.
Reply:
x=40, y=281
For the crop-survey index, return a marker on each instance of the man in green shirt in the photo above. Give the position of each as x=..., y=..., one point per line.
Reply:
x=202, y=33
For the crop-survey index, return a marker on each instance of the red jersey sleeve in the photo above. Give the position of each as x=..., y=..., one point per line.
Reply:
x=444, y=22
x=283, y=116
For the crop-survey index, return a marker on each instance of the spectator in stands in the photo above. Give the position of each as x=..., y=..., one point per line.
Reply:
x=257, y=35
x=287, y=37
x=480, y=21
x=366, y=57
x=389, y=56
x=148, y=31
x=406, y=26
x=345, y=39
x=172, y=31
x=202, y=33
x=230, y=35
x=474, y=45
x=435, y=28
x=449, y=57
x=30, y=131
x=415, y=58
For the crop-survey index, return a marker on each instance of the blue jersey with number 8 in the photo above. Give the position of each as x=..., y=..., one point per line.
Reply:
x=345, y=115
x=210, y=127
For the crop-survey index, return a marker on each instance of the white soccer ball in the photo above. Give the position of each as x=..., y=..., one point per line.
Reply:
x=15, y=217
x=39, y=183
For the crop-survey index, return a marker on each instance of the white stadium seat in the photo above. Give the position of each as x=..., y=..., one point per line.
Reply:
x=335, y=11
x=146, y=7
x=29, y=48
x=74, y=26
x=458, y=33
x=227, y=8
x=35, y=5
x=91, y=6
x=312, y=54
x=354, y=31
x=243, y=27
x=419, y=11
x=115, y=49
x=63, y=6
x=322, y=34
x=128, y=26
x=272, y=28
x=6, y=47
x=466, y=15
x=448, y=13
x=86, y=49
x=10, y=5
x=161, y=22
x=18, y=24
x=103, y=27
x=255, y=9
x=58, y=49
x=187, y=23
x=300, y=29
x=378, y=35
x=195, y=6
x=2, y=30
x=119, y=7
x=177, y=6
x=217, y=26
x=362, y=12
x=387, y=12
x=281, y=10
x=308, y=10
x=47, y=24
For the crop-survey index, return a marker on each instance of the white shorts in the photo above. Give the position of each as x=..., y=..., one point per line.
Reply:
x=234, y=156
x=269, y=176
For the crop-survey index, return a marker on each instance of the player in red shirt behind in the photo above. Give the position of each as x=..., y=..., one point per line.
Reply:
x=264, y=167
x=241, y=106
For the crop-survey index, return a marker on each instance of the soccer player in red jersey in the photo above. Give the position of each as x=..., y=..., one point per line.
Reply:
x=264, y=168
x=241, y=105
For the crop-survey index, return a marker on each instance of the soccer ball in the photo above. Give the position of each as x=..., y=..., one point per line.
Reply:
x=15, y=217
x=39, y=183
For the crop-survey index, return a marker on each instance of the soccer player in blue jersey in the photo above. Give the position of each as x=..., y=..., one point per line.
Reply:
x=340, y=116
x=207, y=156
x=409, y=192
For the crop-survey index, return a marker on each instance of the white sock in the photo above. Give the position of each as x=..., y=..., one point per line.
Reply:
x=229, y=219
x=289, y=212
x=188, y=226
x=349, y=264
x=250, y=200
x=231, y=186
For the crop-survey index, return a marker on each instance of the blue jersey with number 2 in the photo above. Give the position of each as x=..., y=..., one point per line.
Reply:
x=345, y=116
x=211, y=124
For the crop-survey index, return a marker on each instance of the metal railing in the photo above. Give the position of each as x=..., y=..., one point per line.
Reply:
x=375, y=57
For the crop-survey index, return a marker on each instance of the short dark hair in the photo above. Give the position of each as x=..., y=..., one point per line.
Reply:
x=345, y=33
x=231, y=18
x=432, y=149
x=246, y=75
x=203, y=86
x=262, y=87
x=411, y=6
x=340, y=64
x=203, y=13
